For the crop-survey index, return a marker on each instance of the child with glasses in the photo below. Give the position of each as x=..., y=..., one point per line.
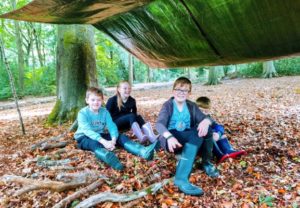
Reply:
x=222, y=148
x=185, y=129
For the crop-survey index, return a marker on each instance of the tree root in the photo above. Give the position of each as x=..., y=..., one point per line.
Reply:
x=113, y=197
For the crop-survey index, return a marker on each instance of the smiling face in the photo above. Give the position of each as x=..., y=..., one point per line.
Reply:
x=94, y=101
x=181, y=92
x=124, y=90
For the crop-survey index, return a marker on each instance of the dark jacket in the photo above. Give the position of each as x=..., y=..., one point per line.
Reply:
x=166, y=112
x=115, y=112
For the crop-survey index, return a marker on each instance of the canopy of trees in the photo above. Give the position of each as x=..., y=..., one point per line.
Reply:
x=215, y=32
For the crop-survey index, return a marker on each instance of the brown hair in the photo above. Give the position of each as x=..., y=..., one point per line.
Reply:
x=119, y=99
x=94, y=90
x=203, y=102
x=182, y=81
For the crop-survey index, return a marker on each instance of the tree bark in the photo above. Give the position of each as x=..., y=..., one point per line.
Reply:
x=38, y=46
x=76, y=70
x=269, y=70
x=213, y=76
x=130, y=68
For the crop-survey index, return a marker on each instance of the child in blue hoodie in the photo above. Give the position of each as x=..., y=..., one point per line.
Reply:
x=222, y=148
x=93, y=120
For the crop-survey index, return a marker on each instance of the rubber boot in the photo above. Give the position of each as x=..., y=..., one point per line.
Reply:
x=138, y=132
x=140, y=150
x=184, y=169
x=207, y=166
x=226, y=147
x=218, y=153
x=109, y=158
x=147, y=129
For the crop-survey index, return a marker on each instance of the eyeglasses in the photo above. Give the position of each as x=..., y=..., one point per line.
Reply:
x=181, y=91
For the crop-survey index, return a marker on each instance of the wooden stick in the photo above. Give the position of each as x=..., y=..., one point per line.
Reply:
x=37, y=184
x=78, y=194
x=12, y=85
x=113, y=197
x=56, y=138
x=47, y=146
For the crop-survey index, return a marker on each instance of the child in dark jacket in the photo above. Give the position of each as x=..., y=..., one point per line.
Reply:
x=123, y=110
x=185, y=129
x=222, y=148
x=92, y=122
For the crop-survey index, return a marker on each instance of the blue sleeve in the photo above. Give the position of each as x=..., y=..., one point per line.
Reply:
x=85, y=128
x=218, y=128
x=111, y=126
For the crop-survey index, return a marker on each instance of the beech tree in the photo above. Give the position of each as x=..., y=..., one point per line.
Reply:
x=76, y=70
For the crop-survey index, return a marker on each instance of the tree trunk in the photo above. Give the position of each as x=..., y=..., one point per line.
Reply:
x=269, y=70
x=130, y=66
x=149, y=74
x=188, y=71
x=20, y=50
x=76, y=70
x=38, y=46
x=213, y=76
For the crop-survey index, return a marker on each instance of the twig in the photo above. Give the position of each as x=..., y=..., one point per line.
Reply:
x=113, y=197
x=78, y=194
x=12, y=85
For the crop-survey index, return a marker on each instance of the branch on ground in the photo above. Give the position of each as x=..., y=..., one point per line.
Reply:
x=78, y=179
x=55, y=138
x=78, y=194
x=113, y=197
x=47, y=146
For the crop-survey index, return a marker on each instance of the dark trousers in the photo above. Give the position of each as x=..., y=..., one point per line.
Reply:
x=204, y=144
x=86, y=143
x=125, y=122
x=186, y=136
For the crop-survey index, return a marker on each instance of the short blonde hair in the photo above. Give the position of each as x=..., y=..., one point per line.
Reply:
x=95, y=91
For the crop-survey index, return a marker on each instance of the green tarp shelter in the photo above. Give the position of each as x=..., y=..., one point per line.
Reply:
x=174, y=33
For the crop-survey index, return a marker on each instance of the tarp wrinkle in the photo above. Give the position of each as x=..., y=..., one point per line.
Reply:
x=179, y=33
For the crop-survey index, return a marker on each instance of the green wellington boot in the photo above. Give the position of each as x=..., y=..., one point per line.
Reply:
x=207, y=156
x=140, y=150
x=184, y=169
x=109, y=158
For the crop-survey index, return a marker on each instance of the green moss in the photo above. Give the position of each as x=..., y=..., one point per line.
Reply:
x=69, y=38
x=52, y=118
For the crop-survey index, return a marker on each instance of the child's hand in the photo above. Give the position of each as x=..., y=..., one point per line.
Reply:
x=173, y=144
x=216, y=136
x=109, y=145
x=114, y=140
x=203, y=127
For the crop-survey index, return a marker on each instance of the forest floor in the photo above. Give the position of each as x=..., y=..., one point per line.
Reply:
x=262, y=116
